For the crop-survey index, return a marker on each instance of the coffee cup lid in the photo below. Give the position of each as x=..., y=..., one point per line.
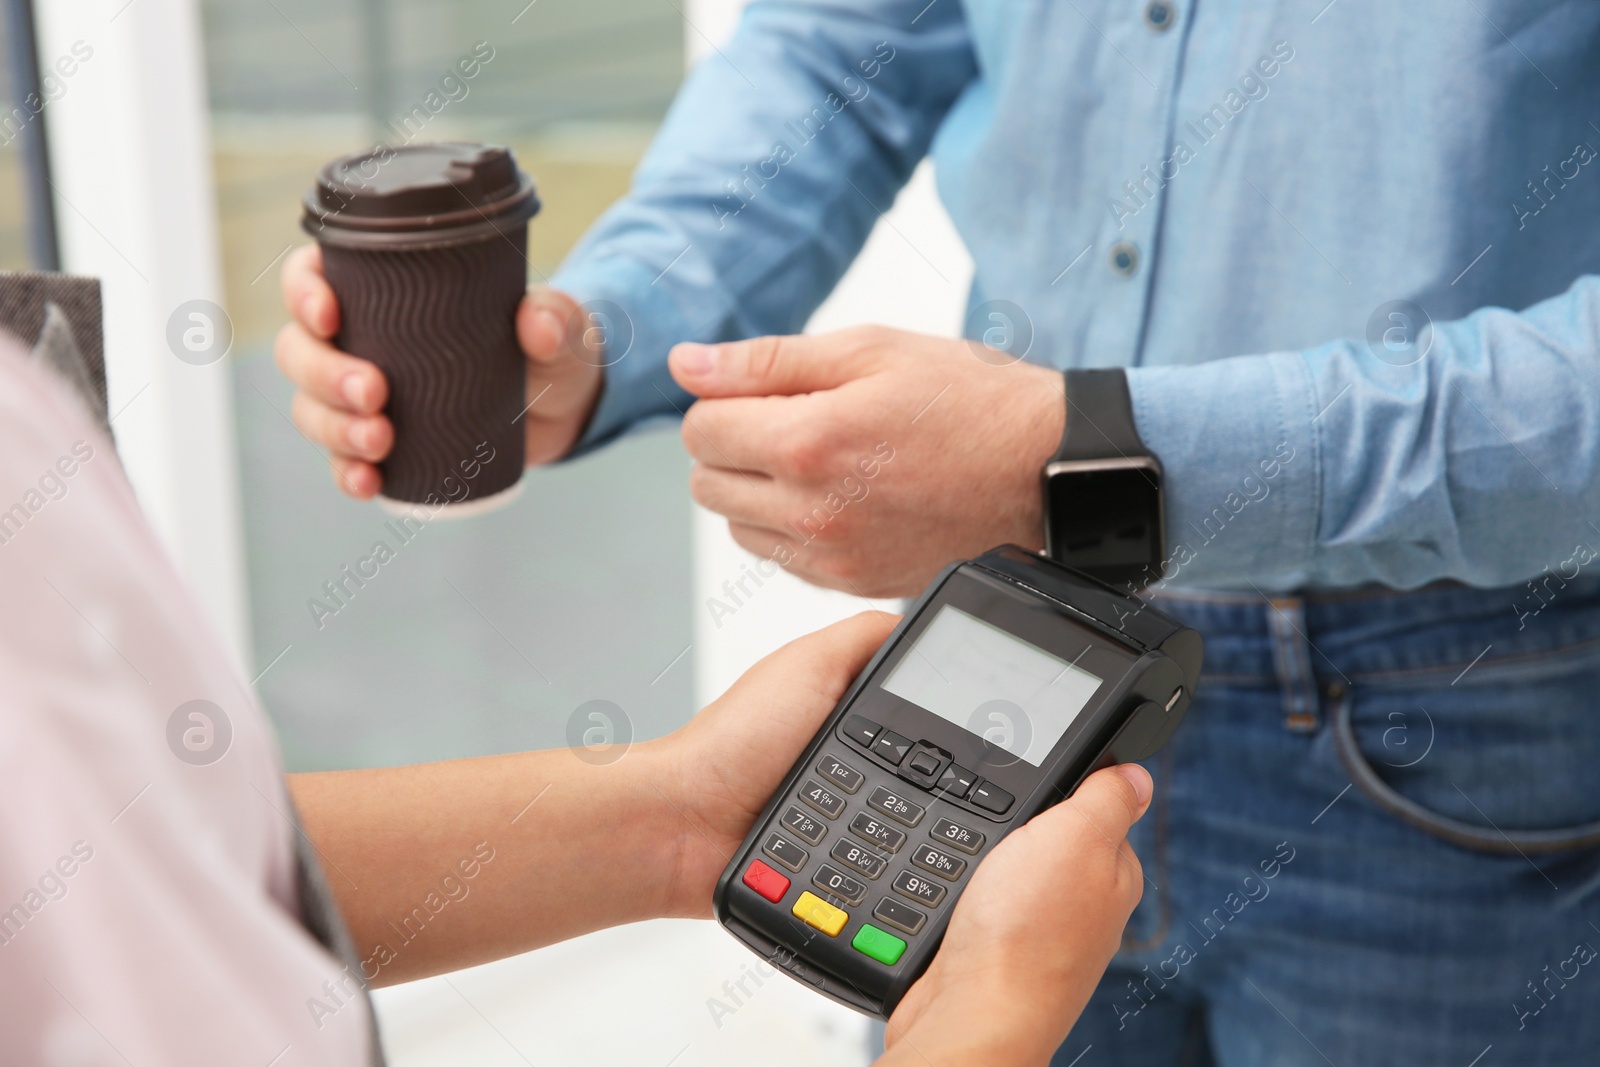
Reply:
x=419, y=195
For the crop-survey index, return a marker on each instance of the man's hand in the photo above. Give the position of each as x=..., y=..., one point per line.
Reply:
x=725, y=764
x=341, y=398
x=867, y=459
x=1031, y=935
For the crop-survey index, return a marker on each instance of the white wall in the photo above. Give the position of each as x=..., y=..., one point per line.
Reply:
x=136, y=208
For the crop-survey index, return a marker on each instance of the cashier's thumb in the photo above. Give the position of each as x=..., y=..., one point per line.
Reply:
x=1113, y=799
x=549, y=322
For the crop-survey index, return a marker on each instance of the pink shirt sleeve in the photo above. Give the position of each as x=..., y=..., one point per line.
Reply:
x=147, y=902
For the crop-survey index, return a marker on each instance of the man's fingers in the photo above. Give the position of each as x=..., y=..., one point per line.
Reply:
x=547, y=322
x=328, y=375
x=779, y=366
x=741, y=433
x=742, y=496
x=356, y=477
x=306, y=292
x=367, y=437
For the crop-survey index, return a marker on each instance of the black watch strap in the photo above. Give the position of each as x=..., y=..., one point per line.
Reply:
x=1103, y=507
x=1099, y=416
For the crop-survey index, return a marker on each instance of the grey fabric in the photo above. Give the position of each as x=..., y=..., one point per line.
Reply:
x=320, y=916
x=59, y=317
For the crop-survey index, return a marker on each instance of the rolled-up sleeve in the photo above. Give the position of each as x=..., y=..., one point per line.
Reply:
x=774, y=163
x=1478, y=461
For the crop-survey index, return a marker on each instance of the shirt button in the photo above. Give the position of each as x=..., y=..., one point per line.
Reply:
x=1160, y=16
x=1125, y=258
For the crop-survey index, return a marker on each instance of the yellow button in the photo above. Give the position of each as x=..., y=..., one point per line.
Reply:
x=815, y=911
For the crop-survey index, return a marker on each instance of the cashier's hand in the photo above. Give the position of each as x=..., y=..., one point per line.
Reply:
x=1031, y=936
x=341, y=398
x=867, y=459
x=725, y=764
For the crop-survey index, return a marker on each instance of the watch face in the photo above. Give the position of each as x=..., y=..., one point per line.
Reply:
x=1106, y=517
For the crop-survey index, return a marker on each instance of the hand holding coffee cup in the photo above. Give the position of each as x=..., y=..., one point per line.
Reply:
x=344, y=400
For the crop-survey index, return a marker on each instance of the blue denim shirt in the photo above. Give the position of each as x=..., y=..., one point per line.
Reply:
x=1259, y=208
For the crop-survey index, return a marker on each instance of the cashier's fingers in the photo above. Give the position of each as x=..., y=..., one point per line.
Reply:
x=1095, y=820
x=327, y=375
x=367, y=437
x=306, y=292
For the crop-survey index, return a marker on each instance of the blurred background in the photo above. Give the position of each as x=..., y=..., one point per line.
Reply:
x=179, y=153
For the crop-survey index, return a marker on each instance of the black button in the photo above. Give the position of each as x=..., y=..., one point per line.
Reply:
x=1125, y=258
x=956, y=780
x=859, y=857
x=804, y=826
x=991, y=797
x=913, y=885
x=869, y=828
x=787, y=853
x=1160, y=16
x=956, y=836
x=846, y=778
x=898, y=915
x=892, y=747
x=943, y=864
x=896, y=806
x=925, y=763
x=860, y=730
x=835, y=883
x=822, y=798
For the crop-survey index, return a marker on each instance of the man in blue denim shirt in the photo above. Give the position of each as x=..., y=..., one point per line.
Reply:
x=1347, y=254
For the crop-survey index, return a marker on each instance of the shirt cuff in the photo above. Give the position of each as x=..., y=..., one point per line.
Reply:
x=1238, y=449
x=640, y=324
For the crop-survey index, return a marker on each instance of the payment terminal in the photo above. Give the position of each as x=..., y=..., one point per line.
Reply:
x=1008, y=681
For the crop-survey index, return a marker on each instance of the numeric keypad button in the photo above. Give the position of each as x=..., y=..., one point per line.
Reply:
x=870, y=828
x=819, y=796
x=900, y=916
x=847, y=778
x=956, y=836
x=942, y=864
x=895, y=806
x=914, y=886
x=805, y=827
x=834, y=882
x=859, y=858
x=785, y=852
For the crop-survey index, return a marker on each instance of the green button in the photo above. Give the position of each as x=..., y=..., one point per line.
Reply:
x=880, y=945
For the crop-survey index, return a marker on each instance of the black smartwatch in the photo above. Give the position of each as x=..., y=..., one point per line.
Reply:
x=1103, y=506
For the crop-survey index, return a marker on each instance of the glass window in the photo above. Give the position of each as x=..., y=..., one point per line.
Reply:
x=13, y=188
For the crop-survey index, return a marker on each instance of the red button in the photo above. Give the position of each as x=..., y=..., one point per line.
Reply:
x=766, y=881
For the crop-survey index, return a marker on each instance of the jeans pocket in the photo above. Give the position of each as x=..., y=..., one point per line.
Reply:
x=1500, y=737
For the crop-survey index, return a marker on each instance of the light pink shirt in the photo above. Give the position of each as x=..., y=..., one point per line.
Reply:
x=147, y=902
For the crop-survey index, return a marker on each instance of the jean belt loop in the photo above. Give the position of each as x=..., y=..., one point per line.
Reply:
x=1291, y=652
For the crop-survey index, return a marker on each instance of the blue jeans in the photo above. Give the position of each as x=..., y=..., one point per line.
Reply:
x=1374, y=840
